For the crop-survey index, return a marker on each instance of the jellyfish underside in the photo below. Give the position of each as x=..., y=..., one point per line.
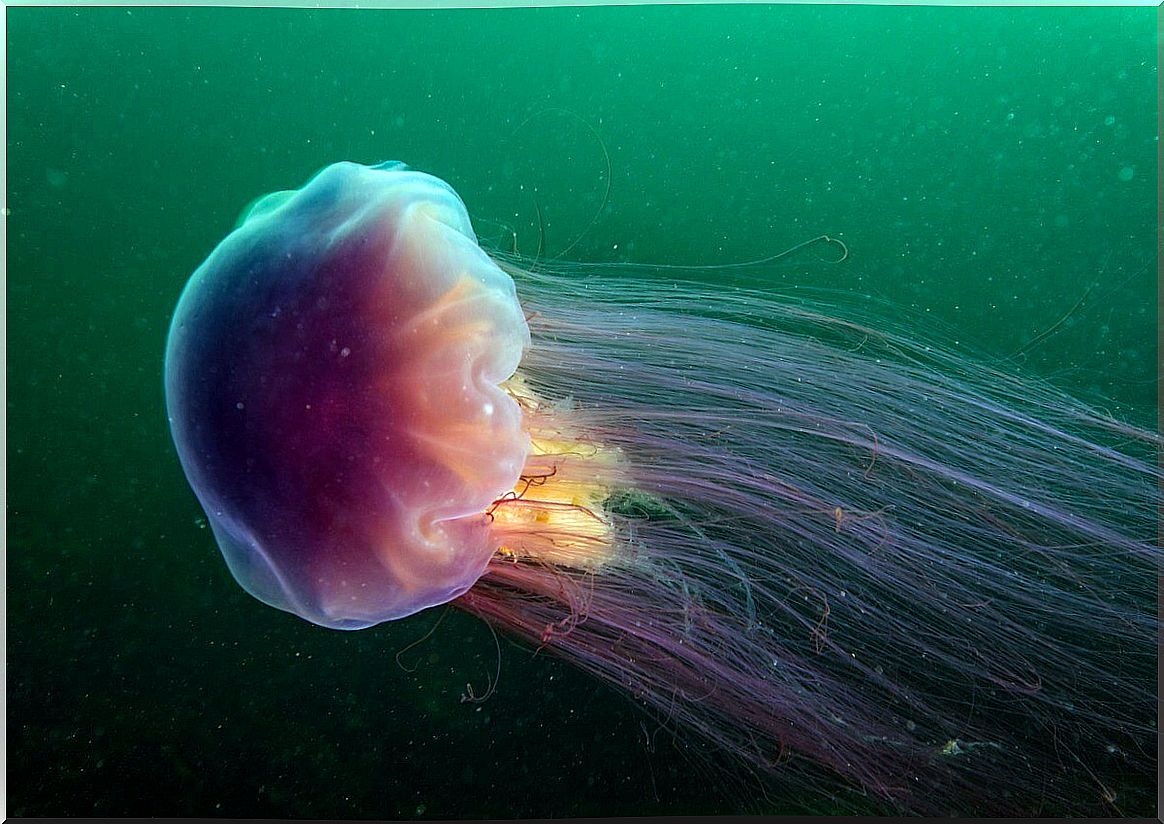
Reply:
x=907, y=575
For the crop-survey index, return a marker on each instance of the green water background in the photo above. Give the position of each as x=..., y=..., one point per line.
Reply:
x=986, y=168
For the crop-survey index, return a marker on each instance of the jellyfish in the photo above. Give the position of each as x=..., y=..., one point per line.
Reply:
x=844, y=558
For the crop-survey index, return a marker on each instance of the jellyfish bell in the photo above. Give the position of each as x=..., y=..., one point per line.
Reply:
x=792, y=534
x=333, y=380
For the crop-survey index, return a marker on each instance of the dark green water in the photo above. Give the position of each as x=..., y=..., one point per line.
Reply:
x=986, y=167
